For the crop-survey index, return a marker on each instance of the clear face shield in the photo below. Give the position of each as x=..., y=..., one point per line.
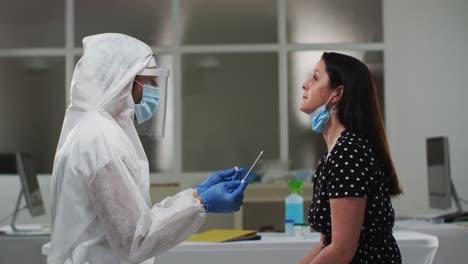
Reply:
x=150, y=112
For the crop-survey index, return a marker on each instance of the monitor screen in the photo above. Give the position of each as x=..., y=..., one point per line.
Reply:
x=438, y=172
x=31, y=190
x=435, y=151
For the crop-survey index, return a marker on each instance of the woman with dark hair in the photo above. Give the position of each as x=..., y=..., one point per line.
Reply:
x=355, y=180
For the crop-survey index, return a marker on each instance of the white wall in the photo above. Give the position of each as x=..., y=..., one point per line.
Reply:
x=426, y=65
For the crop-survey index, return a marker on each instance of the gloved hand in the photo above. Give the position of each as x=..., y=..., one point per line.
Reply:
x=240, y=174
x=224, y=197
x=220, y=176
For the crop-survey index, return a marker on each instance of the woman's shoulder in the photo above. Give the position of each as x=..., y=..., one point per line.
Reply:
x=352, y=146
x=352, y=167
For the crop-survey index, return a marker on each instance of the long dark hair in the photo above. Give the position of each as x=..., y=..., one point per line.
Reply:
x=359, y=108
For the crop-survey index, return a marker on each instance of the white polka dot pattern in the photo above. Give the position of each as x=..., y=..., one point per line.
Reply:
x=352, y=170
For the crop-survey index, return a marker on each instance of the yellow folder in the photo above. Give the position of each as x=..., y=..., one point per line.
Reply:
x=224, y=235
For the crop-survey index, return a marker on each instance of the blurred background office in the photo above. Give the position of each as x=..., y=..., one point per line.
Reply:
x=235, y=84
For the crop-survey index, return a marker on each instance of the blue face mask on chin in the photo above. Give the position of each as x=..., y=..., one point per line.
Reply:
x=321, y=116
x=148, y=105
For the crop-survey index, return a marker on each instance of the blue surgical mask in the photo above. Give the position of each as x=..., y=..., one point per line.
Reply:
x=149, y=103
x=321, y=116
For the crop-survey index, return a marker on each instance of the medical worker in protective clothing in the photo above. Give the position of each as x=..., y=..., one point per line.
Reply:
x=101, y=209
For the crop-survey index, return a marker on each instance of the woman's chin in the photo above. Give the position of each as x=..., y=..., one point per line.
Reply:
x=304, y=109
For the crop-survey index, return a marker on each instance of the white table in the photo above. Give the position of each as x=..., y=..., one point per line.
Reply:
x=453, y=240
x=276, y=248
x=22, y=249
x=273, y=248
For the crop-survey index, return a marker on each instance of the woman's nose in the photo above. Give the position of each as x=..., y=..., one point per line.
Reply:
x=304, y=87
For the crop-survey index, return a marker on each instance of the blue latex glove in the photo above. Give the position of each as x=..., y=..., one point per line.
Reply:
x=240, y=174
x=218, y=177
x=224, y=197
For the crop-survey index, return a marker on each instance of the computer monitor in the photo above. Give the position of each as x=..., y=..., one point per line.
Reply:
x=31, y=190
x=440, y=184
x=438, y=173
x=22, y=165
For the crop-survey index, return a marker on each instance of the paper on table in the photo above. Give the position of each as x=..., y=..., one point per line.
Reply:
x=223, y=235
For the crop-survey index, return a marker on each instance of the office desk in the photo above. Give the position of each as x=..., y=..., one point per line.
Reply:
x=276, y=248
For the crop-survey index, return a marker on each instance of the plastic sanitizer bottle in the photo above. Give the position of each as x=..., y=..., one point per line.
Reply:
x=294, y=203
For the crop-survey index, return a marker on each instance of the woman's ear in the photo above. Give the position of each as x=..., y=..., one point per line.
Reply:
x=338, y=94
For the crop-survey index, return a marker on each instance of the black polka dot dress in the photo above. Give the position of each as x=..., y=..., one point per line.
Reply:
x=352, y=170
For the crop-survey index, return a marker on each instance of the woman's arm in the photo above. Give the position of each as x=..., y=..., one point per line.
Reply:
x=313, y=253
x=347, y=217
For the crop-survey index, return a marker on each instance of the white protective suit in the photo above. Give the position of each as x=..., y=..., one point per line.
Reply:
x=101, y=209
